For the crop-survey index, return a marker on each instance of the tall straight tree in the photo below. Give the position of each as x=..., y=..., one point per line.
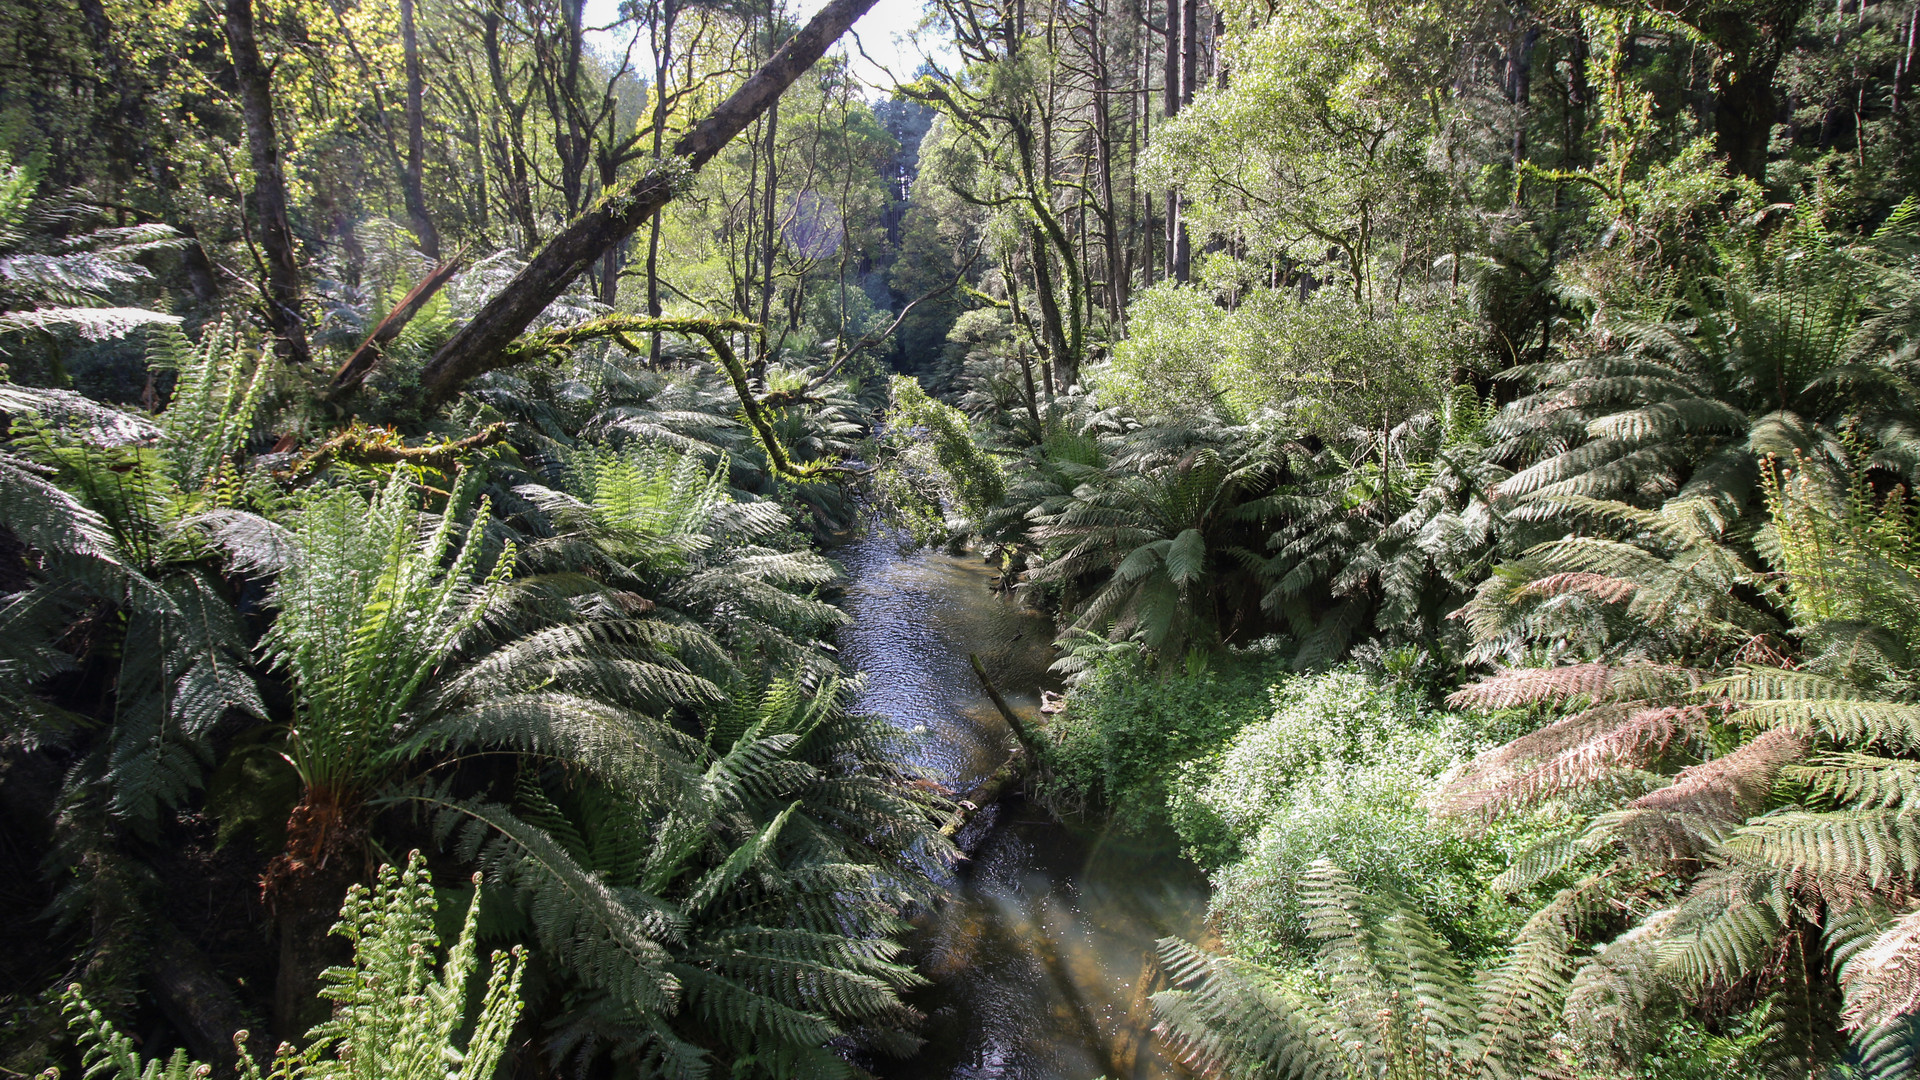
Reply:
x=418, y=218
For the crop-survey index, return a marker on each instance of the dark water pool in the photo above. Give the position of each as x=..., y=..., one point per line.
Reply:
x=1041, y=962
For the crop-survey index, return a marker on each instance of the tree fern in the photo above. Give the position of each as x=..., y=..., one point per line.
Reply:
x=766, y=891
x=1395, y=1004
x=1653, y=584
x=1157, y=542
x=53, y=275
x=1770, y=354
x=113, y=526
x=1387, y=529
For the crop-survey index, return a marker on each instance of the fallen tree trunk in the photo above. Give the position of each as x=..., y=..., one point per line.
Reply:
x=355, y=370
x=481, y=345
x=988, y=791
x=197, y=1001
x=1032, y=742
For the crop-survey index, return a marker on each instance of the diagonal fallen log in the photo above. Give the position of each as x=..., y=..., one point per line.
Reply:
x=482, y=344
x=360, y=364
x=1031, y=741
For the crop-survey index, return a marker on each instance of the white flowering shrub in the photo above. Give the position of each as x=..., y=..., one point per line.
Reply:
x=1338, y=771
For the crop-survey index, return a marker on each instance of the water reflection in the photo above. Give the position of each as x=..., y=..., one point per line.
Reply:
x=915, y=619
x=1041, y=963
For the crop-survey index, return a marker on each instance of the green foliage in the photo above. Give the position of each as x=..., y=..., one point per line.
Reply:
x=394, y=1016
x=1156, y=533
x=135, y=516
x=939, y=465
x=56, y=276
x=372, y=606
x=1125, y=731
x=1668, y=584
x=743, y=920
x=1770, y=354
x=1391, y=527
x=1326, y=363
x=1316, y=151
x=1849, y=558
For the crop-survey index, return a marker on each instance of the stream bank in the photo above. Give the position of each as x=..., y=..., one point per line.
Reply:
x=1041, y=963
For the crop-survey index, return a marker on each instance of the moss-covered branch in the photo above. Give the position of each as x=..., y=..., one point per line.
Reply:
x=714, y=332
x=362, y=445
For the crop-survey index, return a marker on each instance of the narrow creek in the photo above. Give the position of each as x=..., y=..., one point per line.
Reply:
x=1041, y=963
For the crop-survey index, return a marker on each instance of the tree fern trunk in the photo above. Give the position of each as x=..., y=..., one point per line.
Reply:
x=304, y=886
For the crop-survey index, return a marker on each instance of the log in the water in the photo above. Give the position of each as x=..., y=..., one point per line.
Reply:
x=1030, y=741
x=989, y=791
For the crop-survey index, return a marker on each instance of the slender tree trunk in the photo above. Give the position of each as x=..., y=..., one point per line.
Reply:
x=1170, y=107
x=663, y=65
x=512, y=149
x=1116, y=292
x=1180, y=253
x=769, y=238
x=483, y=343
x=1519, y=80
x=1149, y=239
x=1189, y=49
x=1218, y=57
x=610, y=262
x=1903, y=68
x=1050, y=316
x=281, y=288
x=418, y=219
x=1579, y=92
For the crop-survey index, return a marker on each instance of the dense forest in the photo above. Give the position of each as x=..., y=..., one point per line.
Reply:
x=1466, y=450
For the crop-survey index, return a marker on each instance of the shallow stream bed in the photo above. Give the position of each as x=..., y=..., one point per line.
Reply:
x=1041, y=961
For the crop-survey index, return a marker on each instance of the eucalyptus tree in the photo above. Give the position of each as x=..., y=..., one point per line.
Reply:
x=1043, y=117
x=1316, y=161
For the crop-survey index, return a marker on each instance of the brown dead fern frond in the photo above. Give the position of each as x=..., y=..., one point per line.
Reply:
x=1883, y=982
x=1734, y=786
x=1587, y=749
x=1665, y=840
x=1602, y=587
x=1515, y=687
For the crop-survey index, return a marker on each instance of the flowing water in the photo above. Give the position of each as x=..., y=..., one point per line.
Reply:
x=1041, y=961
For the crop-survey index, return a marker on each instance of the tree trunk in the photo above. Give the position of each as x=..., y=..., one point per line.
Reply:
x=1050, y=317
x=511, y=144
x=1519, y=82
x=480, y=344
x=1116, y=292
x=1189, y=49
x=198, y=1002
x=1219, y=57
x=418, y=220
x=1743, y=113
x=281, y=288
x=769, y=239
x=1170, y=106
x=662, y=66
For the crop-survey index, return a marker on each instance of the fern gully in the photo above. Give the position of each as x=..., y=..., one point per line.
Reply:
x=1450, y=467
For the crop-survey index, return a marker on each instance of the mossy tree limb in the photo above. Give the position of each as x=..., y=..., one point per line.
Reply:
x=715, y=333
